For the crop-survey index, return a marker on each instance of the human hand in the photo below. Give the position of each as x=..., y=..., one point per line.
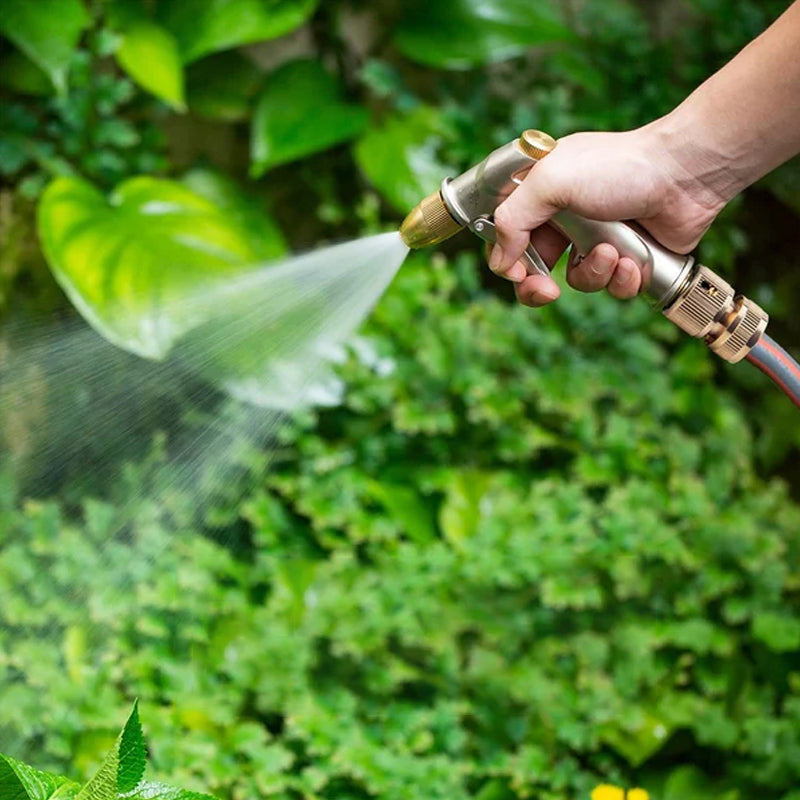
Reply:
x=637, y=175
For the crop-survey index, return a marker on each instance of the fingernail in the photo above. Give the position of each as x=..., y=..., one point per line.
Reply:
x=542, y=296
x=496, y=260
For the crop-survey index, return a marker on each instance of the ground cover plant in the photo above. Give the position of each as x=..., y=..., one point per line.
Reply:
x=530, y=554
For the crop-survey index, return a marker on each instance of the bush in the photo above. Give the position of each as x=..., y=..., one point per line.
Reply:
x=529, y=554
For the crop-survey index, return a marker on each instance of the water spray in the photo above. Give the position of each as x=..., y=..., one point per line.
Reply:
x=689, y=294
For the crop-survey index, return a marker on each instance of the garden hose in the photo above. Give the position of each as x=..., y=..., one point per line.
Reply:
x=690, y=295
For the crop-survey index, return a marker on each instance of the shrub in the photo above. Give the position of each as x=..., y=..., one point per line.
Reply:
x=568, y=573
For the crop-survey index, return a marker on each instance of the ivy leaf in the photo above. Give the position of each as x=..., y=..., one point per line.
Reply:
x=47, y=31
x=123, y=766
x=457, y=34
x=18, y=781
x=208, y=26
x=400, y=157
x=300, y=112
x=149, y=54
x=128, y=263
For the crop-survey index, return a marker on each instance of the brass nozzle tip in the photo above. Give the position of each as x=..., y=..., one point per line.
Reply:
x=428, y=223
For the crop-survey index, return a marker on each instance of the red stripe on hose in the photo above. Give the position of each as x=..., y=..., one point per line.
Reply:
x=768, y=345
x=773, y=377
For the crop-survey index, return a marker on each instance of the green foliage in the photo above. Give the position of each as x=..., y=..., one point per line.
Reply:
x=132, y=264
x=463, y=33
x=47, y=32
x=529, y=554
x=149, y=54
x=300, y=112
x=120, y=775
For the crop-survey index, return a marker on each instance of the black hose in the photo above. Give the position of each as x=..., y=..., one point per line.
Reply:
x=778, y=366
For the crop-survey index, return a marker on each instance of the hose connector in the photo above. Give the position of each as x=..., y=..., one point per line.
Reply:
x=708, y=308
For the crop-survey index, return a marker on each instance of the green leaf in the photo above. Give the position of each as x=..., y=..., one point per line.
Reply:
x=779, y=632
x=223, y=86
x=47, y=31
x=407, y=508
x=457, y=34
x=690, y=782
x=129, y=262
x=18, y=781
x=21, y=74
x=123, y=766
x=400, y=157
x=300, y=112
x=147, y=790
x=149, y=54
x=460, y=512
x=208, y=26
x=241, y=207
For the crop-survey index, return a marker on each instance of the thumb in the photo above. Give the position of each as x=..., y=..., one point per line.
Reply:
x=530, y=205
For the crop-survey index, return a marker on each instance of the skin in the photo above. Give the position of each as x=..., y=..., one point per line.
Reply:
x=672, y=176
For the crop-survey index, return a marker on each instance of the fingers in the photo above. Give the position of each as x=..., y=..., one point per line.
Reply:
x=537, y=290
x=603, y=268
x=528, y=207
x=549, y=243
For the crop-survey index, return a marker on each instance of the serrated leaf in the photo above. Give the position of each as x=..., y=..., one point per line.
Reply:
x=208, y=26
x=47, y=31
x=463, y=33
x=128, y=262
x=149, y=54
x=300, y=111
x=148, y=790
x=400, y=157
x=18, y=781
x=123, y=766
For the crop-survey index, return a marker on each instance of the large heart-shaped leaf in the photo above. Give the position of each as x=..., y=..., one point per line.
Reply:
x=400, y=157
x=207, y=26
x=463, y=33
x=301, y=111
x=130, y=262
x=149, y=54
x=47, y=31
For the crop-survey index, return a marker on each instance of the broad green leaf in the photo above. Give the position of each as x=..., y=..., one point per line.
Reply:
x=223, y=86
x=300, y=111
x=690, y=782
x=129, y=263
x=241, y=207
x=18, y=781
x=149, y=54
x=123, y=766
x=20, y=73
x=400, y=158
x=463, y=33
x=208, y=26
x=636, y=742
x=47, y=31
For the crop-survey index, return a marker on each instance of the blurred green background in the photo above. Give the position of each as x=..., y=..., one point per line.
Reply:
x=529, y=552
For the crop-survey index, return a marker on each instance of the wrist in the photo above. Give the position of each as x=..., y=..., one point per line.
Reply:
x=697, y=157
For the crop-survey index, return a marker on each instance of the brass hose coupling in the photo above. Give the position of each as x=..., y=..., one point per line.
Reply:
x=708, y=308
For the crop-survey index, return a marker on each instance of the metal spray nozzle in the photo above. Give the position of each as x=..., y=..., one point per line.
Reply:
x=428, y=223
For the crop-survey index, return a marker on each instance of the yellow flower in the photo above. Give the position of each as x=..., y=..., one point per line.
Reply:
x=607, y=792
x=637, y=794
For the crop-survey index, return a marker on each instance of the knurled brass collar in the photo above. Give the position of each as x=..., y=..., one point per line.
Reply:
x=709, y=308
x=428, y=223
x=536, y=144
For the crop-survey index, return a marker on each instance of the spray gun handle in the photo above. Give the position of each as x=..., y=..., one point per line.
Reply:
x=664, y=273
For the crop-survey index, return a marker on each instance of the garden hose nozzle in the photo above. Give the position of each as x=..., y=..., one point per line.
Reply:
x=692, y=296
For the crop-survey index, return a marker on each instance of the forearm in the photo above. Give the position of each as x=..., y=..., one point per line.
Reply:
x=744, y=120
